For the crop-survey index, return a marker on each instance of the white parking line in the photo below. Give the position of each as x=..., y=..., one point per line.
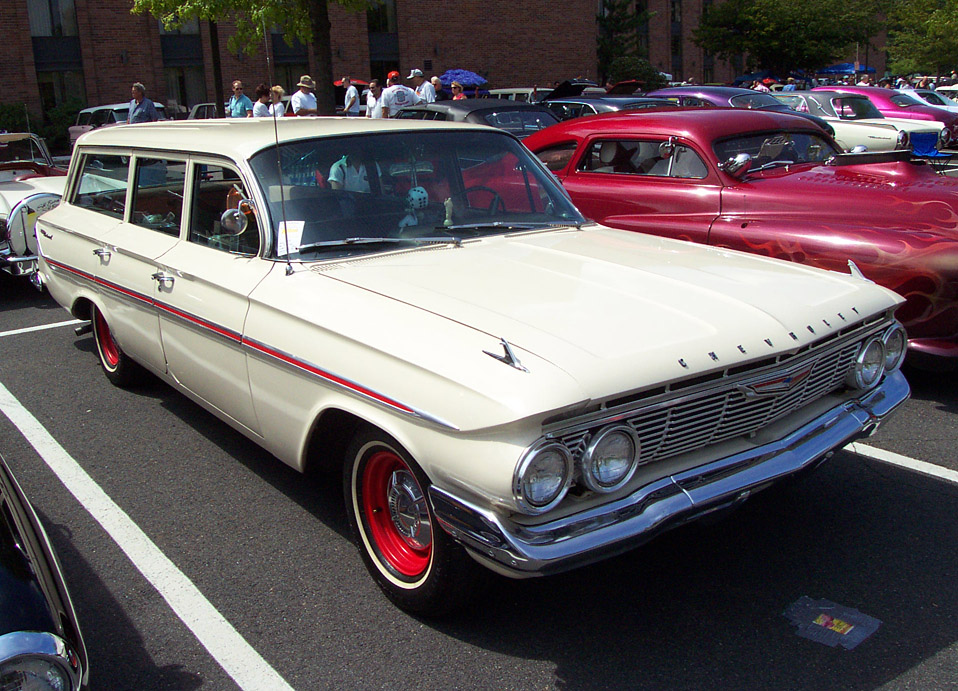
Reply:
x=230, y=650
x=904, y=461
x=42, y=327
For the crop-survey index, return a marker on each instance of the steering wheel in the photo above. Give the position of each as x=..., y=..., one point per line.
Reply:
x=496, y=204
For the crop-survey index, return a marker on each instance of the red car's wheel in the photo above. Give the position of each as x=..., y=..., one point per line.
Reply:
x=411, y=558
x=117, y=365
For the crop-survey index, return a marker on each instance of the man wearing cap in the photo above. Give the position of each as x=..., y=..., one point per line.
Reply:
x=396, y=96
x=424, y=88
x=351, y=104
x=304, y=101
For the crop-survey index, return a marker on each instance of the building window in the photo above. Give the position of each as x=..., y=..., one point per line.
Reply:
x=52, y=18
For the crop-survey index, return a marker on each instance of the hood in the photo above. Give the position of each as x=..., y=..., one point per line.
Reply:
x=878, y=195
x=618, y=311
x=11, y=193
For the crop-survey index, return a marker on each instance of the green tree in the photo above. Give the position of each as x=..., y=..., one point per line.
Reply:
x=922, y=36
x=783, y=35
x=618, y=33
x=305, y=20
x=640, y=69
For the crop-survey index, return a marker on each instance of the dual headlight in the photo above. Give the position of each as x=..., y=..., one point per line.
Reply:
x=879, y=354
x=546, y=472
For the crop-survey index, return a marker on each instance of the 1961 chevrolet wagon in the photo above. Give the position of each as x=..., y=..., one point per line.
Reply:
x=420, y=306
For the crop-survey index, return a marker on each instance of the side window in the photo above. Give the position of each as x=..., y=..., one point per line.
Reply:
x=557, y=157
x=103, y=182
x=217, y=188
x=158, y=194
x=643, y=158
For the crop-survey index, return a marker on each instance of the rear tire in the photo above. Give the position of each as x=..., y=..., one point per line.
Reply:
x=411, y=558
x=117, y=365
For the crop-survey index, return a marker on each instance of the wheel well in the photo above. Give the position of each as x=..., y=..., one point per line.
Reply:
x=332, y=431
x=82, y=309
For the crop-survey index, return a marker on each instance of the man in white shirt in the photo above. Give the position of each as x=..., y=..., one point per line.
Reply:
x=304, y=101
x=396, y=96
x=424, y=88
x=349, y=173
x=351, y=102
x=374, y=100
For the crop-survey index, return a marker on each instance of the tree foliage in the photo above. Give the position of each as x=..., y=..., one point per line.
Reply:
x=630, y=67
x=783, y=35
x=923, y=36
x=305, y=20
x=618, y=32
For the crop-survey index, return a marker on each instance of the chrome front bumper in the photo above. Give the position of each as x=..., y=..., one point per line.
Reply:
x=520, y=551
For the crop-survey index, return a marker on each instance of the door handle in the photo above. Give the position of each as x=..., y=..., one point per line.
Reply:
x=102, y=253
x=164, y=280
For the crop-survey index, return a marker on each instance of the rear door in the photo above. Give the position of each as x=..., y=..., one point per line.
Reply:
x=202, y=292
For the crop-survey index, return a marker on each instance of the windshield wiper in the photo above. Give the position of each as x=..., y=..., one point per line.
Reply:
x=381, y=241
x=772, y=164
x=494, y=225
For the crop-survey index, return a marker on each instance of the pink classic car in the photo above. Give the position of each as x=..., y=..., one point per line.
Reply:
x=773, y=184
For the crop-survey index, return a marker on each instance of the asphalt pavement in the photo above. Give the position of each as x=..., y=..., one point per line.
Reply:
x=268, y=550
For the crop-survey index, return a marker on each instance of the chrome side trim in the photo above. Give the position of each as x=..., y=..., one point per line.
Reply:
x=519, y=551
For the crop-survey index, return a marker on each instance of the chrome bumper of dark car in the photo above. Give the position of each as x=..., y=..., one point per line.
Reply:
x=585, y=537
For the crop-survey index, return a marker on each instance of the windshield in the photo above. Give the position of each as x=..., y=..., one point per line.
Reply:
x=519, y=122
x=756, y=100
x=21, y=150
x=776, y=147
x=855, y=108
x=359, y=194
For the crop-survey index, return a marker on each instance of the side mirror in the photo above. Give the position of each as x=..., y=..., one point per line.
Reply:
x=666, y=149
x=737, y=166
x=234, y=221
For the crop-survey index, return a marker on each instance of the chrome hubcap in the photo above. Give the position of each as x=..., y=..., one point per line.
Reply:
x=407, y=508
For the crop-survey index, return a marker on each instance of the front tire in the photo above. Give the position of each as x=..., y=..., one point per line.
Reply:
x=411, y=558
x=117, y=365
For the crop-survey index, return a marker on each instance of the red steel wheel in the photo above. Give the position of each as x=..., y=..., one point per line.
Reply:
x=117, y=365
x=395, y=509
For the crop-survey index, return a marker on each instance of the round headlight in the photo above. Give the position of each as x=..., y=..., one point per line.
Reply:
x=869, y=365
x=542, y=478
x=943, y=138
x=35, y=674
x=904, y=140
x=610, y=459
x=896, y=344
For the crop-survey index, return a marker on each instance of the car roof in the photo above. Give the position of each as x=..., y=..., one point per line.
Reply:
x=471, y=105
x=117, y=106
x=611, y=100
x=727, y=91
x=240, y=138
x=698, y=124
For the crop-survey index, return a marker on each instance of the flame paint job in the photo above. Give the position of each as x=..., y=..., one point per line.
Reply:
x=897, y=221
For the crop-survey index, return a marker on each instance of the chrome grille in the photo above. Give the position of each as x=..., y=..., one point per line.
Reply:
x=723, y=412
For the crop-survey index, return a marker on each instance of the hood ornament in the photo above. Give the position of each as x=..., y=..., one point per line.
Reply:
x=856, y=272
x=509, y=357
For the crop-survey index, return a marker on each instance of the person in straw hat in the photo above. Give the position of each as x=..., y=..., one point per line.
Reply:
x=304, y=100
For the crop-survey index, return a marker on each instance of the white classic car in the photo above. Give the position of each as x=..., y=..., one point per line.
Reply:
x=857, y=122
x=30, y=183
x=419, y=306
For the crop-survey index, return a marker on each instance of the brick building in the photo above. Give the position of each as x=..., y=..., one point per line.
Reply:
x=94, y=49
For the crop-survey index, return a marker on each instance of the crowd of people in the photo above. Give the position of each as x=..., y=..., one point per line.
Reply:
x=902, y=82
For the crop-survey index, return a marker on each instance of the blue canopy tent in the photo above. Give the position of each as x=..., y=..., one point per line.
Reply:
x=470, y=81
x=846, y=68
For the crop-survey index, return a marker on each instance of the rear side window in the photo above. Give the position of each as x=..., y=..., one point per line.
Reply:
x=158, y=194
x=557, y=157
x=103, y=183
x=652, y=158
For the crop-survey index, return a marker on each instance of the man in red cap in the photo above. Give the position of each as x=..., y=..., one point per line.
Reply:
x=396, y=96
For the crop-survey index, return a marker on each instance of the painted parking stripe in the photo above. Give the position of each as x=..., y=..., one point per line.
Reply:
x=42, y=327
x=904, y=461
x=230, y=650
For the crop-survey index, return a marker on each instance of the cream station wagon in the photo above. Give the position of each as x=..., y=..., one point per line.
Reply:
x=420, y=306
